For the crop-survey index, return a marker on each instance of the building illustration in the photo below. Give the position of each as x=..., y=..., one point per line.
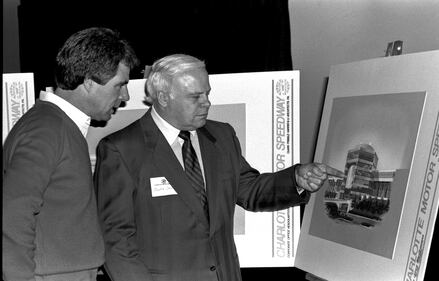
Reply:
x=363, y=195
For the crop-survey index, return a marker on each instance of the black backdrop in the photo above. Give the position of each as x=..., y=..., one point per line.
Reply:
x=229, y=35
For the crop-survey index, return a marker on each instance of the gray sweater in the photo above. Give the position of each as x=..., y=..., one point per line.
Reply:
x=50, y=220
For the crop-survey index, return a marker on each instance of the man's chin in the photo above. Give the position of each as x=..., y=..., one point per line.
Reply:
x=102, y=118
x=201, y=123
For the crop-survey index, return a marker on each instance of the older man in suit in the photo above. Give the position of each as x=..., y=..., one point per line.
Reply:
x=167, y=184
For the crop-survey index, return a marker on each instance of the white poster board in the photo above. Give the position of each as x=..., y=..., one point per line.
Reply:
x=380, y=124
x=263, y=108
x=17, y=97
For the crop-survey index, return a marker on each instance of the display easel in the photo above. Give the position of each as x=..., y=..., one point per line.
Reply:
x=365, y=101
x=393, y=49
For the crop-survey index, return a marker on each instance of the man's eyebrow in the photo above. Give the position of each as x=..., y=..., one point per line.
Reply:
x=196, y=93
x=203, y=92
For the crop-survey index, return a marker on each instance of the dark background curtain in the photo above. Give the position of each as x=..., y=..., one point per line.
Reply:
x=229, y=35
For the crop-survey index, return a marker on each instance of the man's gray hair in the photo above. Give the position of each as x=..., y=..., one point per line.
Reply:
x=164, y=70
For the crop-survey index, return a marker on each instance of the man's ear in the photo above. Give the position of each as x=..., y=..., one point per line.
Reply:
x=162, y=98
x=88, y=84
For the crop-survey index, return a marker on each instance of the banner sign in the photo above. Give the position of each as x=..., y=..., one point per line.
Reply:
x=18, y=96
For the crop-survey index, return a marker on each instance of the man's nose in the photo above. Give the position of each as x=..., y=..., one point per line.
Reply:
x=205, y=100
x=124, y=93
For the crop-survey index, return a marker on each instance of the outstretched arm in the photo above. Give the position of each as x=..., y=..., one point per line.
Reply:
x=311, y=176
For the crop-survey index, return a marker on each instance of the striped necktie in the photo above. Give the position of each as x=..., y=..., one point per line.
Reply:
x=193, y=170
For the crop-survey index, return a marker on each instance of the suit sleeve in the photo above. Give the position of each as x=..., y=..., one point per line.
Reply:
x=267, y=191
x=29, y=158
x=115, y=192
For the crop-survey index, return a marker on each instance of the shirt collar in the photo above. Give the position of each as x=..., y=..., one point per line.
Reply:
x=169, y=131
x=81, y=119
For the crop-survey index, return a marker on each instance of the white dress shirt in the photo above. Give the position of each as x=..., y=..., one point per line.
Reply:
x=81, y=119
x=176, y=143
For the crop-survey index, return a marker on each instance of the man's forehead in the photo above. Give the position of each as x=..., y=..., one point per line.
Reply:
x=192, y=77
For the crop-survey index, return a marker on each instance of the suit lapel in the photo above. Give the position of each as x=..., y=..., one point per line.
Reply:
x=168, y=166
x=209, y=152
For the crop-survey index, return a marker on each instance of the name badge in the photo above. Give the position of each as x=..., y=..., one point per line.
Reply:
x=161, y=187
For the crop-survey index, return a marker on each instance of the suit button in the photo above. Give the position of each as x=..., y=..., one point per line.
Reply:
x=212, y=268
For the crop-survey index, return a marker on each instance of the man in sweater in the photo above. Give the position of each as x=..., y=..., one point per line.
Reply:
x=50, y=224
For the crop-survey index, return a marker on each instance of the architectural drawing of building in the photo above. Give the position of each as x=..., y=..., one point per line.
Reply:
x=364, y=193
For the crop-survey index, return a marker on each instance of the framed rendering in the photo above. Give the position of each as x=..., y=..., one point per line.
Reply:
x=263, y=108
x=380, y=125
x=363, y=210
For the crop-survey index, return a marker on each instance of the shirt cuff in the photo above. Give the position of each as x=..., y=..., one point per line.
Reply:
x=299, y=189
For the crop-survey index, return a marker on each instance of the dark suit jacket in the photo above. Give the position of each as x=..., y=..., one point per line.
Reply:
x=168, y=237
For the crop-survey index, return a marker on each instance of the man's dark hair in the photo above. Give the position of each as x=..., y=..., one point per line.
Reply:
x=93, y=53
